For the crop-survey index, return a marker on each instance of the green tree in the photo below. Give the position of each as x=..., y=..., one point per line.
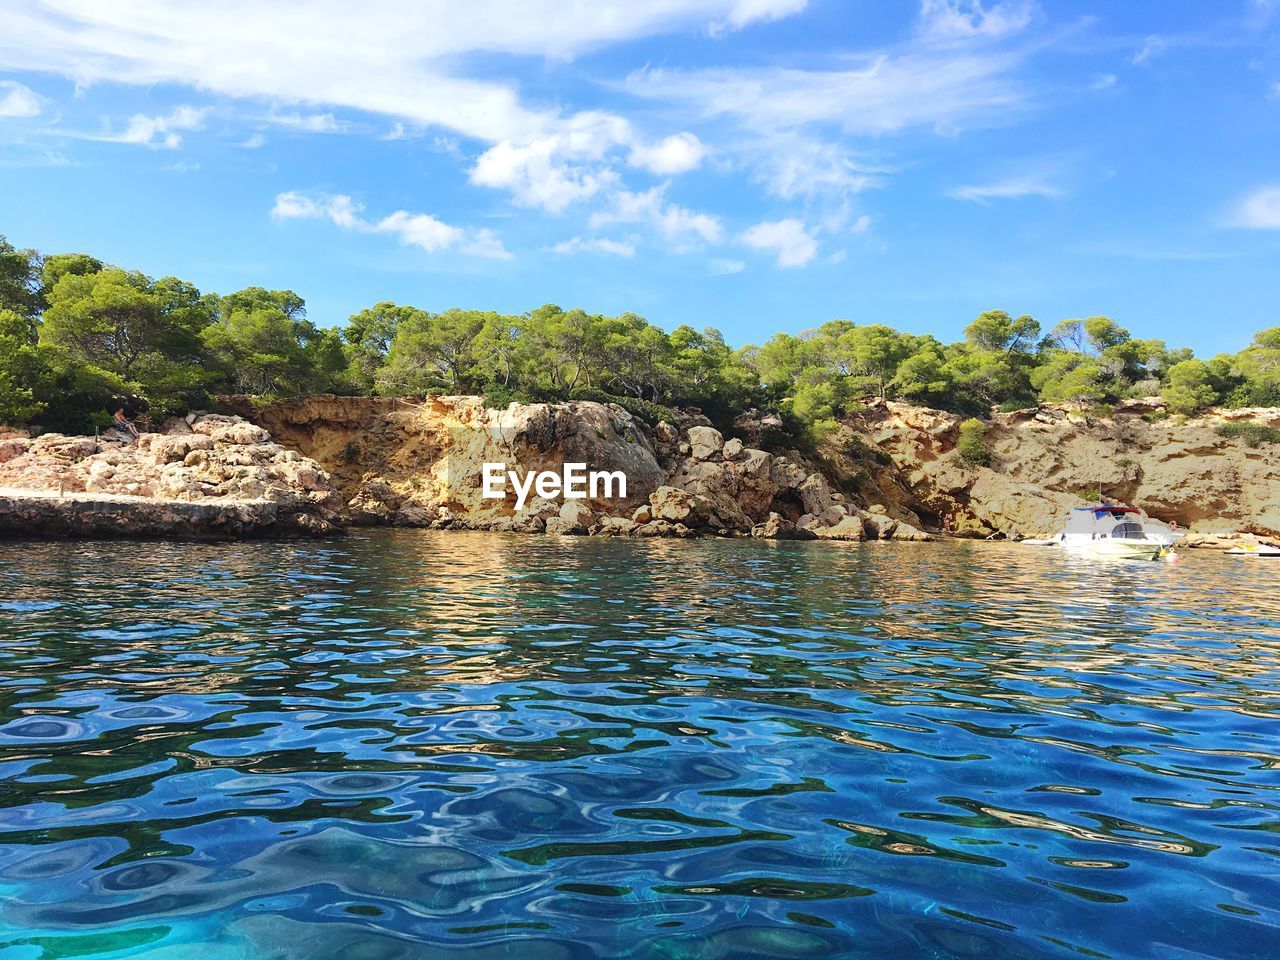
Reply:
x=262, y=343
x=20, y=369
x=1190, y=388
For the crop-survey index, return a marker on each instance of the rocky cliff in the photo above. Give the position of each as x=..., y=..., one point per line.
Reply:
x=891, y=472
x=1048, y=459
x=419, y=464
x=203, y=477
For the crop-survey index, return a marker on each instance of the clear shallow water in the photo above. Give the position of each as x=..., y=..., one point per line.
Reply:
x=428, y=745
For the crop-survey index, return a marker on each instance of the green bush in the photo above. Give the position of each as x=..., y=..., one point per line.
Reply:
x=497, y=396
x=652, y=413
x=972, y=446
x=1253, y=434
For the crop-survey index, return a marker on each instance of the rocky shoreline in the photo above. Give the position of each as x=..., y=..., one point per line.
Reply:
x=316, y=466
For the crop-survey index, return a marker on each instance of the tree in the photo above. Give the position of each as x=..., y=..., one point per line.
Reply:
x=1258, y=369
x=1189, y=389
x=997, y=331
x=369, y=335
x=263, y=344
x=19, y=280
x=1069, y=377
x=19, y=369
x=145, y=334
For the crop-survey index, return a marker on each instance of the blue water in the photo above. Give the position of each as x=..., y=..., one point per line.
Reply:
x=413, y=744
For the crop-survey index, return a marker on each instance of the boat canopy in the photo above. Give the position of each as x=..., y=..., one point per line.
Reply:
x=1102, y=508
x=1091, y=520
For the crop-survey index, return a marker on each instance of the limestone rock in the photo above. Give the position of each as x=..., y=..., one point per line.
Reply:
x=849, y=528
x=222, y=463
x=778, y=527
x=705, y=442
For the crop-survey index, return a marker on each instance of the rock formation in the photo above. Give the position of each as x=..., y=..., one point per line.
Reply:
x=204, y=476
x=890, y=472
x=419, y=464
x=1048, y=459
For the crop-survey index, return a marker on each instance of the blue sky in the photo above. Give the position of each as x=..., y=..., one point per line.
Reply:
x=755, y=165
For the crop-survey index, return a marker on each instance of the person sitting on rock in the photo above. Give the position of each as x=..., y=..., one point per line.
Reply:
x=124, y=424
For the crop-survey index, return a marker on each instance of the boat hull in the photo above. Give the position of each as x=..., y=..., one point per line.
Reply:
x=1103, y=549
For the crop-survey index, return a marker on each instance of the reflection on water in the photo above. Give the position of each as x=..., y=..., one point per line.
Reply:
x=420, y=745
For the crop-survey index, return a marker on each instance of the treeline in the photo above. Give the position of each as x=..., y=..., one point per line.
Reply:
x=79, y=337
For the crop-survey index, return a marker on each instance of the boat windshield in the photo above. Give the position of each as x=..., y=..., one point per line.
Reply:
x=1128, y=531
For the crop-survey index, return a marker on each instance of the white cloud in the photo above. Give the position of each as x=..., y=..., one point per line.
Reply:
x=390, y=57
x=253, y=143
x=309, y=122
x=1152, y=46
x=1258, y=211
x=746, y=12
x=412, y=229
x=788, y=239
x=17, y=100
x=722, y=268
x=958, y=20
x=676, y=223
x=840, y=256
x=678, y=153
x=537, y=174
x=163, y=131
x=617, y=248
x=883, y=94
x=1012, y=188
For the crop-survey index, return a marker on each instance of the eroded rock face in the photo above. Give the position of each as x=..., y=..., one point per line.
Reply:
x=204, y=476
x=1049, y=459
x=420, y=464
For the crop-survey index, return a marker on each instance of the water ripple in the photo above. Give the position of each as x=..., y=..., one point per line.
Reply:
x=410, y=744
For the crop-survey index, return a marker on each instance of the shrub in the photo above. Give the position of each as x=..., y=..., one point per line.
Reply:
x=972, y=446
x=652, y=413
x=1252, y=433
x=497, y=396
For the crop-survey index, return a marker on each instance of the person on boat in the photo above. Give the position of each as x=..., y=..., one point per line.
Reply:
x=124, y=424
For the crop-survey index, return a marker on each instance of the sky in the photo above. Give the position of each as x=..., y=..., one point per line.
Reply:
x=754, y=165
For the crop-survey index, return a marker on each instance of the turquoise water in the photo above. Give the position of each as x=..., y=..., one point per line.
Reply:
x=431, y=745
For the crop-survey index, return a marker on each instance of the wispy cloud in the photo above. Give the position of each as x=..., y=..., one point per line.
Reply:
x=163, y=131
x=1011, y=188
x=413, y=229
x=17, y=100
x=721, y=267
x=1260, y=210
x=309, y=122
x=616, y=248
x=966, y=20
x=378, y=59
x=674, y=222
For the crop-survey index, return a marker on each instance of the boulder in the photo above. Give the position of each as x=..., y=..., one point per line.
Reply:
x=849, y=528
x=778, y=527
x=705, y=442
x=576, y=516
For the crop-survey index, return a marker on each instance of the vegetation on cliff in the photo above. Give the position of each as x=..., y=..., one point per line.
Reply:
x=75, y=334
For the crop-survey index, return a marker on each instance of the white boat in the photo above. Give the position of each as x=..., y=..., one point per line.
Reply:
x=1255, y=550
x=1106, y=532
